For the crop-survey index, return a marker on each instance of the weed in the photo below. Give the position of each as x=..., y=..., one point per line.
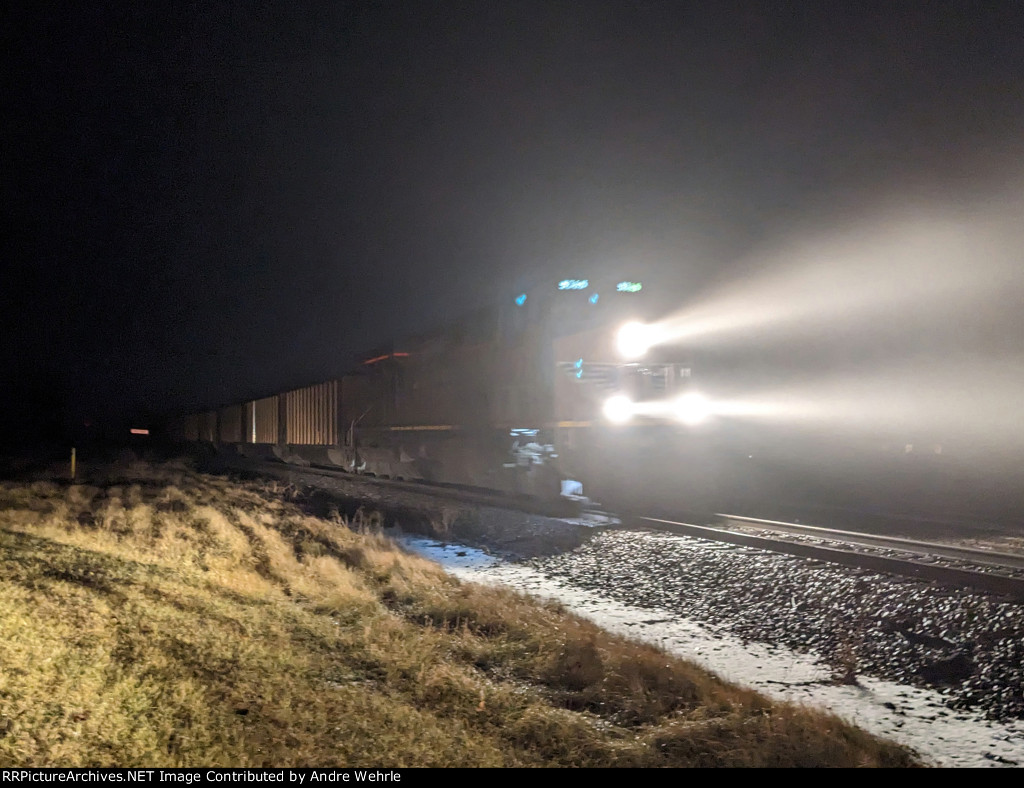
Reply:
x=158, y=616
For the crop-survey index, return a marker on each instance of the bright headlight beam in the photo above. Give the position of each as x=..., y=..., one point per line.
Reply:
x=618, y=409
x=898, y=263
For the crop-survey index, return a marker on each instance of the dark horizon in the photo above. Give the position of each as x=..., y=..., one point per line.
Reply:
x=221, y=200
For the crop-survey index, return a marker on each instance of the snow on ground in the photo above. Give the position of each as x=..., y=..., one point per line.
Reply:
x=914, y=717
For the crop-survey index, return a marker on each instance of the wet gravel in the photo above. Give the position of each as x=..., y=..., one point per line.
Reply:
x=967, y=645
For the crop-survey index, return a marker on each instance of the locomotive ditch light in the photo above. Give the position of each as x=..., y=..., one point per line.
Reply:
x=692, y=408
x=618, y=409
x=635, y=339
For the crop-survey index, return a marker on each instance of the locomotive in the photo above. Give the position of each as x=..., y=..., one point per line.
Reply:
x=553, y=395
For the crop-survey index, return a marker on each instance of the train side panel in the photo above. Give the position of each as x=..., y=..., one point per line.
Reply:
x=229, y=424
x=208, y=426
x=261, y=420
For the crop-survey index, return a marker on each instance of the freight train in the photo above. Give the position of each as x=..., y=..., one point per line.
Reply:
x=559, y=395
x=530, y=398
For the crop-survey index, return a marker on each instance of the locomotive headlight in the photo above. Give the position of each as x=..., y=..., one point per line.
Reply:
x=618, y=409
x=634, y=340
x=692, y=408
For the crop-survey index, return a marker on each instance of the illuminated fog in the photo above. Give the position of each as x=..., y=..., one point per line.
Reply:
x=907, y=322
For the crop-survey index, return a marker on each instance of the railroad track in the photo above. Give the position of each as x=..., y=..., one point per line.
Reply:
x=998, y=573
x=949, y=565
x=475, y=496
x=970, y=555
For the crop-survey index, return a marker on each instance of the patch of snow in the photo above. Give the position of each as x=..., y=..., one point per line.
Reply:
x=911, y=716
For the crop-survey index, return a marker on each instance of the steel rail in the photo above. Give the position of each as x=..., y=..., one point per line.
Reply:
x=475, y=496
x=986, y=557
x=943, y=575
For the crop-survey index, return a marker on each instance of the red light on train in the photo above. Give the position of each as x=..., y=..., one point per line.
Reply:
x=386, y=356
x=135, y=431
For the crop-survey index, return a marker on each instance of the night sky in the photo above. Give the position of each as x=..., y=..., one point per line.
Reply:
x=225, y=200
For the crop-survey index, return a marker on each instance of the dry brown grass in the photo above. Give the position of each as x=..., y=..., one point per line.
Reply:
x=161, y=617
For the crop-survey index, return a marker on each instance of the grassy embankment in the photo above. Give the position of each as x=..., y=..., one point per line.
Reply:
x=167, y=618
